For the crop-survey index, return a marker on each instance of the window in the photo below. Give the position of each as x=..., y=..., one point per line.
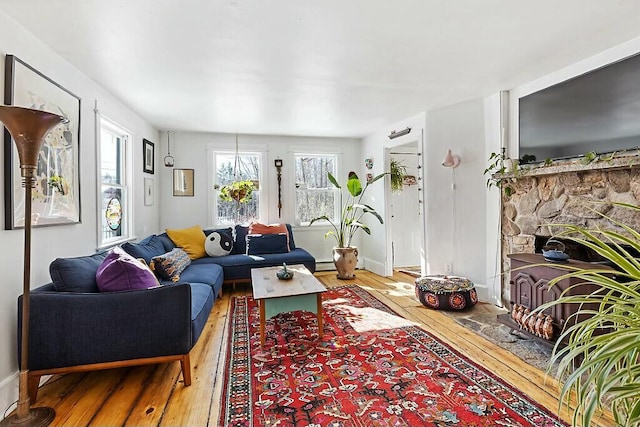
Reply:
x=230, y=168
x=315, y=195
x=113, y=203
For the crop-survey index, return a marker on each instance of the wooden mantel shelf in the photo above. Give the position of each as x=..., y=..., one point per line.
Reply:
x=619, y=161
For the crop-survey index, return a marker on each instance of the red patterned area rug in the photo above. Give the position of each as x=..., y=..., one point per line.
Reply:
x=372, y=368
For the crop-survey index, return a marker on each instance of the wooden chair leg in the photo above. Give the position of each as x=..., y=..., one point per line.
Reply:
x=185, y=363
x=32, y=385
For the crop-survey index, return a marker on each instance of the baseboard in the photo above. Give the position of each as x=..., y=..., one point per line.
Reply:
x=9, y=393
x=325, y=266
x=374, y=266
x=483, y=293
x=9, y=390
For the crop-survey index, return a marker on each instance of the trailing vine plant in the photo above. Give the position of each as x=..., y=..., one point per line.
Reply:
x=495, y=169
x=397, y=171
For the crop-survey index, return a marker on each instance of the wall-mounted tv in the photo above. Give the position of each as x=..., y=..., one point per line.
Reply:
x=597, y=111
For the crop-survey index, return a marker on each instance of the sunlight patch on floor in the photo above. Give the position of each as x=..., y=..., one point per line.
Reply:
x=400, y=289
x=367, y=319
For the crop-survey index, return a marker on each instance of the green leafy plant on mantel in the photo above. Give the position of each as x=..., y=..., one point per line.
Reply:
x=352, y=210
x=589, y=158
x=495, y=171
x=599, y=366
x=238, y=191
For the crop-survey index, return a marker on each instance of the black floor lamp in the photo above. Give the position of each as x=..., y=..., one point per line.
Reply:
x=28, y=129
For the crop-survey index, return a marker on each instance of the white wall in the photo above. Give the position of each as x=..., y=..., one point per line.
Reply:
x=374, y=249
x=455, y=198
x=70, y=240
x=192, y=150
x=455, y=231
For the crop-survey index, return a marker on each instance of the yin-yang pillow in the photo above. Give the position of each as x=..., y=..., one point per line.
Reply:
x=218, y=243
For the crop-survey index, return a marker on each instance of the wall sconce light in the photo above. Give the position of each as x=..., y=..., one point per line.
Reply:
x=450, y=160
x=395, y=134
x=168, y=159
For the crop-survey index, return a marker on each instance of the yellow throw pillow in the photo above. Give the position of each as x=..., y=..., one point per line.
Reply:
x=190, y=239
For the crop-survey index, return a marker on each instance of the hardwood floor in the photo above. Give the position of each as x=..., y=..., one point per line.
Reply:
x=155, y=396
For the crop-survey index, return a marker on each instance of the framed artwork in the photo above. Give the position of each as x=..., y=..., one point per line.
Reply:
x=183, y=182
x=56, y=196
x=148, y=151
x=148, y=192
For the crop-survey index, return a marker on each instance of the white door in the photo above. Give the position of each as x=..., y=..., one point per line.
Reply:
x=406, y=235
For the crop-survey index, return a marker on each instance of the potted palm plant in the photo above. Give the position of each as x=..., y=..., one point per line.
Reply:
x=599, y=363
x=352, y=211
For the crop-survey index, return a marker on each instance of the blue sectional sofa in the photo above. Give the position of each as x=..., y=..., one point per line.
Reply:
x=75, y=327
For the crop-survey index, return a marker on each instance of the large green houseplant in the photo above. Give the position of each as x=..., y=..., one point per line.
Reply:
x=599, y=366
x=352, y=211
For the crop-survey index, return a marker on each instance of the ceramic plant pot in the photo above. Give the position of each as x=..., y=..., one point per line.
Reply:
x=345, y=260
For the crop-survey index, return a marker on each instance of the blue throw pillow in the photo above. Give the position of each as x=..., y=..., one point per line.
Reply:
x=258, y=244
x=167, y=243
x=76, y=274
x=292, y=244
x=145, y=249
x=240, y=239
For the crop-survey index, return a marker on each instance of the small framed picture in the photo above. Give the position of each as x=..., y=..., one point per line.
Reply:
x=148, y=152
x=148, y=191
x=183, y=182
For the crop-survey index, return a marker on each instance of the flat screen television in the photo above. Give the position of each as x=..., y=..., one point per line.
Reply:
x=597, y=111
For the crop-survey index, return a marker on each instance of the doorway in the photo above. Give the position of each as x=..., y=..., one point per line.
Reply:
x=405, y=214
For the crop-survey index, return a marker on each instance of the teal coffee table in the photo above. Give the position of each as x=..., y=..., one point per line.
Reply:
x=302, y=292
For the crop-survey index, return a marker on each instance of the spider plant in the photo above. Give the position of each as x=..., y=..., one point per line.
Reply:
x=397, y=171
x=599, y=366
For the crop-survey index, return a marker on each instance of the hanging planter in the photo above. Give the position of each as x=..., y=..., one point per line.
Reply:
x=397, y=172
x=237, y=191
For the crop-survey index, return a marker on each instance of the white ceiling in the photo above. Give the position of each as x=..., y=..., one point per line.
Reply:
x=317, y=67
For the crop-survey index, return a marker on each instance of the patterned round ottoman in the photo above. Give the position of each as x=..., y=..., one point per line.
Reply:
x=442, y=292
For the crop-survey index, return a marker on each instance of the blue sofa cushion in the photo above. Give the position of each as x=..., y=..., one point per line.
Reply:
x=167, y=243
x=258, y=244
x=169, y=266
x=146, y=249
x=239, y=266
x=202, y=299
x=122, y=272
x=201, y=271
x=76, y=274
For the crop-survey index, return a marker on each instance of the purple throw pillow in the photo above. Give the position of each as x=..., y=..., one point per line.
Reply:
x=121, y=272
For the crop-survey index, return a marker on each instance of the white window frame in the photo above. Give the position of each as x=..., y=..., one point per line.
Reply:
x=214, y=190
x=338, y=173
x=126, y=185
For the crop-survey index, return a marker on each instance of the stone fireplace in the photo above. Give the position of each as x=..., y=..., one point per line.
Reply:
x=564, y=194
